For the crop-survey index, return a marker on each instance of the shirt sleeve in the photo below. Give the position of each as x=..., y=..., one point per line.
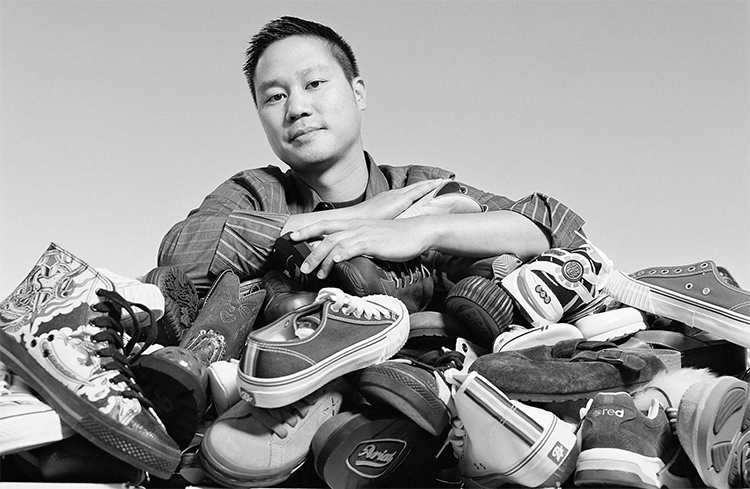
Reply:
x=228, y=231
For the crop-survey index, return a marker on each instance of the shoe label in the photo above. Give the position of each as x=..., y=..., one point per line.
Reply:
x=620, y=413
x=373, y=458
x=558, y=453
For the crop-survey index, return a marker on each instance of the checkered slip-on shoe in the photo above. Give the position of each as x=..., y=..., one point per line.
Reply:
x=713, y=425
x=61, y=332
x=500, y=441
x=701, y=295
x=621, y=446
x=309, y=347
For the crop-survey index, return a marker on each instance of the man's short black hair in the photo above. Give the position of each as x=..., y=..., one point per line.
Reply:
x=286, y=26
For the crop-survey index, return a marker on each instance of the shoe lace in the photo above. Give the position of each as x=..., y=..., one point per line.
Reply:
x=117, y=355
x=404, y=273
x=352, y=305
x=278, y=420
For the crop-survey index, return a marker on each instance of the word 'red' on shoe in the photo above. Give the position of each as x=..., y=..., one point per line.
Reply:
x=701, y=295
x=227, y=316
x=55, y=335
x=621, y=446
x=315, y=344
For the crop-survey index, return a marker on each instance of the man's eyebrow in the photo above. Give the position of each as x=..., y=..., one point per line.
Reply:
x=300, y=74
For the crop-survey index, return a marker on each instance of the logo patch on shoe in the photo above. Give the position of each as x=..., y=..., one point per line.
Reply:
x=558, y=453
x=372, y=458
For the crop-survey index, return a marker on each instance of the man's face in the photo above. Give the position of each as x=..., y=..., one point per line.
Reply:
x=310, y=112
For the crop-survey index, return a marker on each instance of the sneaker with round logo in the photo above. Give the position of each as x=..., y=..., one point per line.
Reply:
x=313, y=345
x=61, y=331
x=559, y=284
x=701, y=295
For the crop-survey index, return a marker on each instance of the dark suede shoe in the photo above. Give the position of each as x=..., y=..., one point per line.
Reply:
x=283, y=295
x=571, y=370
x=225, y=319
x=180, y=303
x=621, y=446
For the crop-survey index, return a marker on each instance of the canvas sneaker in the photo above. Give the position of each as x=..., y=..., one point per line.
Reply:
x=60, y=330
x=558, y=284
x=701, y=295
x=227, y=316
x=414, y=386
x=181, y=303
x=538, y=448
x=519, y=337
x=25, y=421
x=248, y=446
x=449, y=198
x=309, y=347
x=621, y=446
x=484, y=308
x=713, y=426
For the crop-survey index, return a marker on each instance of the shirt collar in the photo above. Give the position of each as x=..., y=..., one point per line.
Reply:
x=311, y=201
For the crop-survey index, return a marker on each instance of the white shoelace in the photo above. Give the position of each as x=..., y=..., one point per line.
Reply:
x=352, y=305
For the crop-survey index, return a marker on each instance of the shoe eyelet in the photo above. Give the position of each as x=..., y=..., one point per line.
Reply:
x=651, y=272
x=688, y=286
x=690, y=269
x=677, y=270
x=706, y=291
x=665, y=271
x=704, y=265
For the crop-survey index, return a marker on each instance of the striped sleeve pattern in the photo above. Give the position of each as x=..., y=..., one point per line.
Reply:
x=557, y=219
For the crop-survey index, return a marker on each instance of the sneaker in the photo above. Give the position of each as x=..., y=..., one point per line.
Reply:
x=415, y=387
x=176, y=382
x=180, y=303
x=311, y=346
x=538, y=449
x=520, y=338
x=54, y=335
x=621, y=446
x=227, y=316
x=612, y=324
x=713, y=426
x=701, y=295
x=25, y=421
x=410, y=281
x=248, y=446
x=558, y=284
x=484, y=308
x=282, y=296
x=449, y=198
x=375, y=448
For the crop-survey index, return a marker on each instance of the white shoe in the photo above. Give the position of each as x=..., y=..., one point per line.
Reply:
x=518, y=337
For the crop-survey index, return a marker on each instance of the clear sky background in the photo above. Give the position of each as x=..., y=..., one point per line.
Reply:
x=117, y=118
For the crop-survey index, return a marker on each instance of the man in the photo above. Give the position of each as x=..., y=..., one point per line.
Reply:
x=309, y=96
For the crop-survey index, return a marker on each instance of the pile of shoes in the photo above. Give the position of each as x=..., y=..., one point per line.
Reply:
x=561, y=371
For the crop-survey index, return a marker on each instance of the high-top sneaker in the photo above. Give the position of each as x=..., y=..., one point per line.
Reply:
x=225, y=319
x=500, y=441
x=53, y=334
x=621, y=446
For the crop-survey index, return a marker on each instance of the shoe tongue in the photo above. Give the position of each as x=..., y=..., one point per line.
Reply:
x=726, y=277
x=305, y=326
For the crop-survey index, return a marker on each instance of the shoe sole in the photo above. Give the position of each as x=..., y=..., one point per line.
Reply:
x=153, y=457
x=216, y=471
x=614, y=467
x=549, y=334
x=180, y=303
x=673, y=305
x=719, y=440
x=384, y=385
x=281, y=391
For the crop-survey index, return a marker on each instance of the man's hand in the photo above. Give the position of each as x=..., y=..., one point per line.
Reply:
x=390, y=240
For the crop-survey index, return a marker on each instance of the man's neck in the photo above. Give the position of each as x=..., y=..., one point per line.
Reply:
x=341, y=182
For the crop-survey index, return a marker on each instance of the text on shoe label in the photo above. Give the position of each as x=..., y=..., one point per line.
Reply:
x=373, y=458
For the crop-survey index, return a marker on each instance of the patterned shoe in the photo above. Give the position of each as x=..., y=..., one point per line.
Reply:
x=538, y=449
x=53, y=334
x=558, y=284
x=225, y=319
x=248, y=446
x=415, y=387
x=621, y=446
x=713, y=425
x=25, y=421
x=180, y=303
x=701, y=295
x=311, y=346
x=483, y=307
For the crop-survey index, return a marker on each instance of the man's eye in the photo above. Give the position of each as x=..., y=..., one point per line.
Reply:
x=277, y=97
x=315, y=84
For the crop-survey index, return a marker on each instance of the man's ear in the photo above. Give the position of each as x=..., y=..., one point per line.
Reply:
x=360, y=94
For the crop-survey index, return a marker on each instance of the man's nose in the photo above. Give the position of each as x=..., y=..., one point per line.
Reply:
x=298, y=105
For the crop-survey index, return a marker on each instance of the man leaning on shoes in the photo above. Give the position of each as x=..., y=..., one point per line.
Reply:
x=309, y=96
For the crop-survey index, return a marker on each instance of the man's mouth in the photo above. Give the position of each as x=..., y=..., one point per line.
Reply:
x=302, y=132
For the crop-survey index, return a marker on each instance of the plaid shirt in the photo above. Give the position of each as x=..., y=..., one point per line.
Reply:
x=237, y=224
